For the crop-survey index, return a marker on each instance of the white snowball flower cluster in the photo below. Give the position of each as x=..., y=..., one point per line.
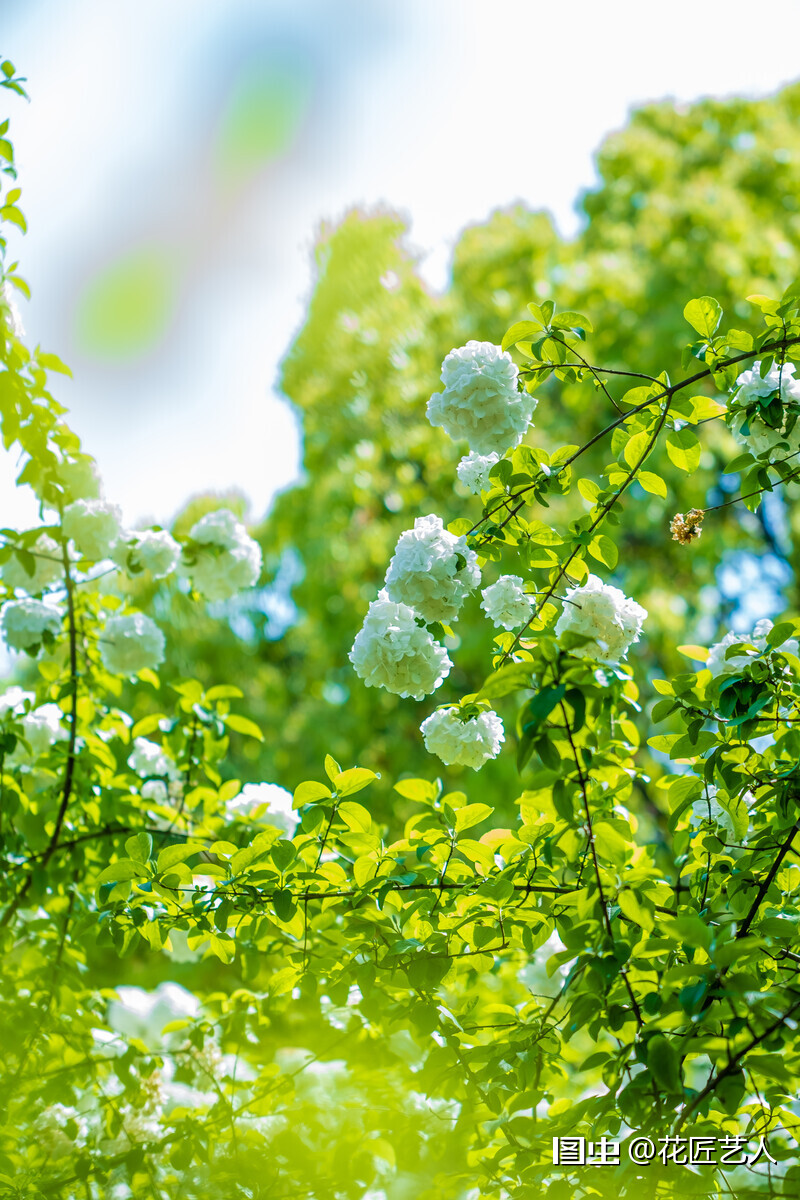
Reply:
x=26, y=622
x=473, y=471
x=41, y=728
x=718, y=664
x=606, y=615
x=130, y=644
x=432, y=571
x=481, y=402
x=506, y=604
x=392, y=650
x=152, y=550
x=47, y=567
x=148, y=759
x=470, y=743
x=278, y=801
x=78, y=477
x=224, y=559
x=94, y=526
x=761, y=437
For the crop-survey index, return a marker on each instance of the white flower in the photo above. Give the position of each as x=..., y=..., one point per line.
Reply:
x=470, y=743
x=254, y=796
x=47, y=567
x=506, y=604
x=78, y=478
x=140, y=1014
x=11, y=315
x=224, y=558
x=147, y=759
x=761, y=437
x=481, y=402
x=40, y=728
x=708, y=808
x=606, y=615
x=25, y=623
x=718, y=664
x=93, y=525
x=130, y=644
x=179, y=950
x=432, y=571
x=392, y=651
x=473, y=471
x=152, y=550
x=14, y=699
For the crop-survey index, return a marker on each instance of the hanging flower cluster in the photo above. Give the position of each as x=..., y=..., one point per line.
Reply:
x=720, y=662
x=456, y=736
x=220, y=557
x=432, y=571
x=603, y=614
x=394, y=650
x=765, y=408
x=481, y=402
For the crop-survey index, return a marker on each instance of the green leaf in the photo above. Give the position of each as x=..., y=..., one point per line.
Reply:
x=224, y=691
x=123, y=869
x=171, y=855
x=664, y=1063
x=652, y=483
x=243, y=725
x=604, y=550
x=572, y=320
x=472, y=814
x=332, y=768
x=140, y=847
x=347, y=783
x=508, y=679
x=520, y=332
x=684, y=449
x=309, y=792
x=704, y=315
x=634, y=908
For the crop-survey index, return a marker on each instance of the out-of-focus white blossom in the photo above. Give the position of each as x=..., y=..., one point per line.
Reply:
x=761, y=437
x=47, y=567
x=147, y=759
x=152, y=550
x=41, y=728
x=14, y=699
x=506, y=604
x=129, y=644
x=432, y=571
x=223, y=558
x=137, y=1013
x=94, y=526
x=179, y=950
x=78, y=478
x=25, y=623
x=473, y=471
x=606, y=615
x=254, y=796
x=470, y=743
x=481, y=402
x=11, y=314
x=718, y=664
x=393, y=651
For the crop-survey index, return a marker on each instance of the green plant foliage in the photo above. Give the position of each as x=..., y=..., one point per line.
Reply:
x=387, y=984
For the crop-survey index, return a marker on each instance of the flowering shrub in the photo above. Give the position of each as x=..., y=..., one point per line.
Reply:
x=609, y=951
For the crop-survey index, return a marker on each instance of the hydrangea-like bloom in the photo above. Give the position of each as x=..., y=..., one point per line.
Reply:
x=25, y=623
x=718, y=664
x=606, y=615
x=148, y=759
x=279, y=811
x=94, y=526
x=762, y=437
x=473, y=471
x=470, y=743
x=223, y=559
x=130, y=644
x=393, y=651
x=506, y=604
x=152, y=550
x=40, y=728
x=432, y=571
x=481, y=402
x=47, y=567
x=78, y=478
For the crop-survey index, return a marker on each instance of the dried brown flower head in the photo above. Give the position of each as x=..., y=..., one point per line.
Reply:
x=686, y=529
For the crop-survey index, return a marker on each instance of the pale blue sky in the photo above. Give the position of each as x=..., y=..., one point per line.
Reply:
x=444, y=110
